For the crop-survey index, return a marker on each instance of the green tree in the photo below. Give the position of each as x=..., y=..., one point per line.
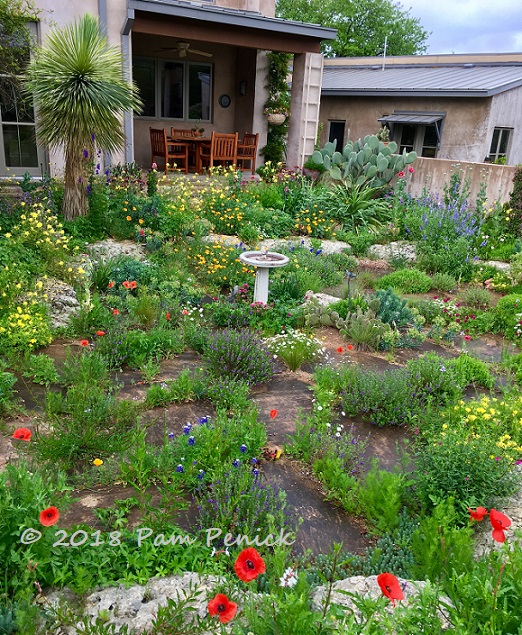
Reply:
x=362, y=25
x=78, y=87
x=15, y=43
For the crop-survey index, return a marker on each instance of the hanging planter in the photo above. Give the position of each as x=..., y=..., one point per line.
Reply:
x=276, y=118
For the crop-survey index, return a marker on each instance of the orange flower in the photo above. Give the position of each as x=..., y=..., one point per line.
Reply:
x=100, y=333
x=22, y=433
x=49, y=516
x=128, y=217
x=273, y=413
x=249, y=565
x=167, y=316
x=390, y=587
x=110, y=285
x=126, y=284
x=350, y=347
x=220, y=605
x=84, y=342
x=115, y=312
x=133, y=284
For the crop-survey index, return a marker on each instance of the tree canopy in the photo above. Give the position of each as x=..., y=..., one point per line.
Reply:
x=362, y=25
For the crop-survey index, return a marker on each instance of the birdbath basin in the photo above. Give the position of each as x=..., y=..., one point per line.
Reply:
x=263, y=261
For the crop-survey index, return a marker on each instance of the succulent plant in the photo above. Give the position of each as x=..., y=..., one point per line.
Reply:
x=366, y=161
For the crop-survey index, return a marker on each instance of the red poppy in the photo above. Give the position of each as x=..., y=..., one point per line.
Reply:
x=220, y=605
x=249, y=565
x=49, y=516
x=350, y=347
x=110, y=285
x=273, y=413
x=478, y=514
x=84, y=342
x=100, y=333
x=467, y=337
x=22, y=433
x=390, y=587
x=499, y=522
x=126, y=284
x=167, y=316
x=115, y=312
x=401, y=174
x=340, y=349
x=133, y=284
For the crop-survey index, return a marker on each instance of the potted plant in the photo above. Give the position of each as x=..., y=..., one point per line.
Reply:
x=197, y=129
x=383, y=134
x=276, y=114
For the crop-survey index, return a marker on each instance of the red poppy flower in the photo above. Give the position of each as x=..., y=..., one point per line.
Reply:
x=249, y=565
x=167, y=316
x=133, y=284
x=401, y=174
x=390, y=587
x=220, y=605
x=340, y=349
x=100, y=333
x=273, y=413
x=467, y=337
x=478, y=514
x=49, y=516
x=84, y=342
x=499, y=522
x=115, y=312
x=350, y=347
x=126, y=284
x=22, y=433
x=110, y=285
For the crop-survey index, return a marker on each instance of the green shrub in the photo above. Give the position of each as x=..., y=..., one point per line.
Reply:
x=239, y=355
x=392, y=309
x=443, y=282
x=406, y=281
x=508, y=314
x=476, y=297
x=471, y=370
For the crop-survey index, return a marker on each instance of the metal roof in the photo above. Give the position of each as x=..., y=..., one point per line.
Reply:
x=235, y=17
x=467, y=80
x=411, y=117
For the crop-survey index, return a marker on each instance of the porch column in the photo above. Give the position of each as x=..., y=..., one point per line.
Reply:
x=305, y=100
x=128, y=117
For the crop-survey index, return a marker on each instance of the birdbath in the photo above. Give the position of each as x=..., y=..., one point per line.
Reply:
x=263, y=261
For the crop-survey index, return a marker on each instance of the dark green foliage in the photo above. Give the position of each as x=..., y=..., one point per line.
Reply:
x=470, y=370
x=279, y=96
x=515, y=203
x=393, y=309
x=125, y=268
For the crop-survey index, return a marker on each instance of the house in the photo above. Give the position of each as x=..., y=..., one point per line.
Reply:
x=194, y=62
x=458, y=107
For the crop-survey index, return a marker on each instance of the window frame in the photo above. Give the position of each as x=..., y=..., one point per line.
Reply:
x=418, y=142
x=496, y=155
x=159, y=67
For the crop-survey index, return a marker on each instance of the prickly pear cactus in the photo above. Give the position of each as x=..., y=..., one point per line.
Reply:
x=366, y=161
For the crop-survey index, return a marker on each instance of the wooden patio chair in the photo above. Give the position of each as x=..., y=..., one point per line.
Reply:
x=170, y=151
x=222, y=150
x=247, y=151
x=182, y=134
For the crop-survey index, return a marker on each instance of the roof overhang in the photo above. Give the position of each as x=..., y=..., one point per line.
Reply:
x=402, y=92
x=197, y=20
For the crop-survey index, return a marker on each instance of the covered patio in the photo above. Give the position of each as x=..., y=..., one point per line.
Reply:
x=205, y=67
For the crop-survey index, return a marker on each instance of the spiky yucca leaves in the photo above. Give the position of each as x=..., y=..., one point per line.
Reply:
x=77, y=83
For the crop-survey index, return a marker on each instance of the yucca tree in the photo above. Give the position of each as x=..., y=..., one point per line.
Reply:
x=76, y=82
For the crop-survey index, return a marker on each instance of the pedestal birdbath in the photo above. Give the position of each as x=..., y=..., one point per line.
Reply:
x=263, y=261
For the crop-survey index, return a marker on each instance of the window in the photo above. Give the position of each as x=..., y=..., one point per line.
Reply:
x=174, y=90
x=422, y=139
x=337, y=132
x=499, y=144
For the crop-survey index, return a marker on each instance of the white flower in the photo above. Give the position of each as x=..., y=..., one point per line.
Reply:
x=289, y=578
x=319, y=408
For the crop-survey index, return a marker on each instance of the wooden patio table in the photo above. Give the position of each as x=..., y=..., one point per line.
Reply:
x=198, y=142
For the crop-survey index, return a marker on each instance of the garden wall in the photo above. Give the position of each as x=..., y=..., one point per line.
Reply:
x=433, y=174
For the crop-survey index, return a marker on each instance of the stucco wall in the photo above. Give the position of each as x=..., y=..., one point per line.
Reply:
x=433, y=174
x=506, y=112
x=464, y=132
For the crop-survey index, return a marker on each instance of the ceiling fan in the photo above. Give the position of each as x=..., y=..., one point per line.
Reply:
x=183, y=48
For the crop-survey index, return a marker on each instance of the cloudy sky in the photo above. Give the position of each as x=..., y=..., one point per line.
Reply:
x=470, y=26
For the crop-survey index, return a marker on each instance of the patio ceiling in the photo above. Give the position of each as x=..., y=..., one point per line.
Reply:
x=226, y=26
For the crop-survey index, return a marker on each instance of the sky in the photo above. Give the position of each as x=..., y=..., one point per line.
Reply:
x=469, y=26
